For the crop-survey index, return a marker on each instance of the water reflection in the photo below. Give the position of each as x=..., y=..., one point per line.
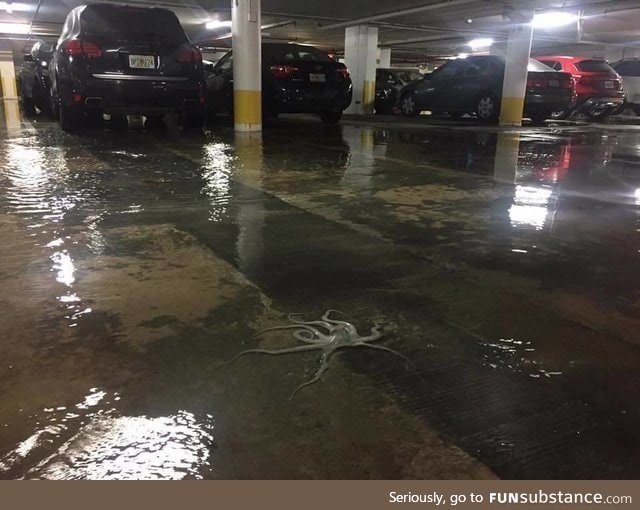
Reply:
x=12, y=116
x=249, y=170
x=132, y=448
x=92, y=441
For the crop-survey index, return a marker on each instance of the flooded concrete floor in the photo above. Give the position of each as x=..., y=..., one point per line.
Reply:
x=134, y=263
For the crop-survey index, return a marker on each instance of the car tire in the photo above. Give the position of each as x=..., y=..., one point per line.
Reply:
x=39, y=98
x=330, y=117
x=155, y=122
x=193, y=121
x=636, y=108
x=487, y=108
x=409, y=105
x=560, y=114
x=70, y=117
x=539, y=117
x=28, y=106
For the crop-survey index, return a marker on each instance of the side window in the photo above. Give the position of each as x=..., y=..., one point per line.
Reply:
x=556, y=66
x=225, y=63
x=66, y=28
x=446, y=71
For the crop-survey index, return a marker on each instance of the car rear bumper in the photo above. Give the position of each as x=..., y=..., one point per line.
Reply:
x=601, y=100
x=560, y=99
x=136, y=96
x=287, y=100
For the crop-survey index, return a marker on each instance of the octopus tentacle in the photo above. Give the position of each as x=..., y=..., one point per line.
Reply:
x=276, y=352
x=291, y=326
x=381, y=348
x=322, y=324
x=324, y=366
x=326, y=318
x=316, y=338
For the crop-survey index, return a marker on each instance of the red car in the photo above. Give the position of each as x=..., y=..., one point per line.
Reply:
x=598, y=86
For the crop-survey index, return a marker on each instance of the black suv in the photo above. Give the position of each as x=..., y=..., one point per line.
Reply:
x=474, y=85
x=33, y=78
x=124, y=60
x=295, y=79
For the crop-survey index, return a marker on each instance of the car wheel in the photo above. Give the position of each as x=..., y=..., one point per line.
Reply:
x=193, y=121
x=154, y=122
x=599, y=116
x=409, y=105
x=28, y=106
x=487, y=108
x=331, y=117
x=636, y=108
x=70, y=117
x=539, y=117
x=39, y=98
x=619, y=109
x=560, y=114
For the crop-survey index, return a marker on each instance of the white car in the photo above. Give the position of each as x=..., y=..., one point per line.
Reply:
x=629, y=69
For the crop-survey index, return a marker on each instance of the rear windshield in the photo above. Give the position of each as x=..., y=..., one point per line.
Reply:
x=535, y=65
x=408, y=76
x=594, y=66
x=629, y=68
x=285, y=52
x=132, y=23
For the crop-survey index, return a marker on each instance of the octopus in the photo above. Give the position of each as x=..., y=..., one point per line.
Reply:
x=327, y=336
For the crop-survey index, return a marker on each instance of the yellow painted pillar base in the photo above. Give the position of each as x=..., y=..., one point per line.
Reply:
x=368, y=96
x=247, y=110
x=511, y=111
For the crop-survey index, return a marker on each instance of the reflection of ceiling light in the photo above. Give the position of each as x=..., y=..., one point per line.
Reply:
x=11, y=7
x=212, y=25
x=468, y=21
x=480, y=43
x=638, y=196
x=14, y=28
x=553, y=19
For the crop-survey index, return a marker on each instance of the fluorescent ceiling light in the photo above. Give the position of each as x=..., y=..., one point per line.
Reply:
x=14, y=28
x=212, y=25
x=480, y=43
x=14, y=6
x=553, y=19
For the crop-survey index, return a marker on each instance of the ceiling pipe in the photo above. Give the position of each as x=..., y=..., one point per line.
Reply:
x=395, y=14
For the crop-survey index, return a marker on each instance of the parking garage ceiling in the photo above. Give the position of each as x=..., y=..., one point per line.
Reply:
x=432, y=28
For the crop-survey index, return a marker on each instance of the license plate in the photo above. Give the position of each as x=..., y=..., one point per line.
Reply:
x=608, y=84
x=554, y=83
x=317, y=77
x=142, y=61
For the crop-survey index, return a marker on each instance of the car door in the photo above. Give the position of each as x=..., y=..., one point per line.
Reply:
x=220, y=85
x=473, y=78
x=434, y=93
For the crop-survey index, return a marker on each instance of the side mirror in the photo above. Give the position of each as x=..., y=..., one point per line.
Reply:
x=28, y=58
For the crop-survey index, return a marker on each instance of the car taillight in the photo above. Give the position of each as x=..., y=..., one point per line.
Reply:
x=567, y=84
x=536, y=83
x=283, y=71
x=84, y=48
x=189, y=54
x=344, y=72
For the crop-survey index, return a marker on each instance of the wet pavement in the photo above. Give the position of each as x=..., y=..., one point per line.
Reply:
x=134, y=263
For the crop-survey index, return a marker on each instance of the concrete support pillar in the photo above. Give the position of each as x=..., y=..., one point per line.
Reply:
x=515, y=72
x=360, y=56
x=8, y=75
x=247, y=64
x=384, y=58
